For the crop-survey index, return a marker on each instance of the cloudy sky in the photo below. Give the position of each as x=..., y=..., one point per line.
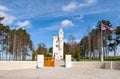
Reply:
x=43, y=18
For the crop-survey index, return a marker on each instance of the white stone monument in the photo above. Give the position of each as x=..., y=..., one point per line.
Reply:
x=58, y=45
x=40, y=61
x=68, y=61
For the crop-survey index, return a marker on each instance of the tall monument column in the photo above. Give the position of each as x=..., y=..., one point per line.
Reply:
x=61, y=34
x=58, y=44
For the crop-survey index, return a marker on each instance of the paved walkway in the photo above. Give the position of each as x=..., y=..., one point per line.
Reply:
x=60, y=72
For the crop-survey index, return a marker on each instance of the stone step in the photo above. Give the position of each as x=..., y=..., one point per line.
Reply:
x=59, y=63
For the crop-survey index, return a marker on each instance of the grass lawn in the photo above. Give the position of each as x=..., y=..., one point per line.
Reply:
x=96, y=59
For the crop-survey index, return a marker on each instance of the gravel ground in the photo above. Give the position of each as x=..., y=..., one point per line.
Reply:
x=60, y=73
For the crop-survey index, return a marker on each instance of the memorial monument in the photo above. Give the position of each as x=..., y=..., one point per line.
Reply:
x=58, y=44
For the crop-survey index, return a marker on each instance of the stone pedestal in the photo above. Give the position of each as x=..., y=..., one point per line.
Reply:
x=40, y=61
x=68, y=61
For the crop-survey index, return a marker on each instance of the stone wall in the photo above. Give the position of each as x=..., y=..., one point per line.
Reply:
x=112, y=65
x=97, y=65
x=12, y=65
x=87, y=65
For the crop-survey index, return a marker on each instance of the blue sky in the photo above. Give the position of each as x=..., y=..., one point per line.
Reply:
x=43, y=18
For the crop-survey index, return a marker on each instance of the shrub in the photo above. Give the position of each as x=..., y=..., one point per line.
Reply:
x=78, y=54
x=33, y=55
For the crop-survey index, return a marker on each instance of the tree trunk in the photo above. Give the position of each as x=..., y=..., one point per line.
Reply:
x=115, y=50
x=2, y=47
x=9, y=57
x=115, y=53
x=6, y=56
x=14, y=47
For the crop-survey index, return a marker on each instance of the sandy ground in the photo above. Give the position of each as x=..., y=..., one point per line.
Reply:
x=60, y=73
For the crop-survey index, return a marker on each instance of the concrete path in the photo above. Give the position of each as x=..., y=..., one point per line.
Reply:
x=60, y=73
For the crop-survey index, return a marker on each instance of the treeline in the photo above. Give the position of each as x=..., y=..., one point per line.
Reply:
x=72, y=47
x=14, y=44
x=91, y=43
x=41, y=49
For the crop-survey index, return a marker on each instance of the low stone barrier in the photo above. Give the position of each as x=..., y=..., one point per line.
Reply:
x=97, y=65
x=116, y=65
x=12, y=65
x=87, y=65
x=112, y=65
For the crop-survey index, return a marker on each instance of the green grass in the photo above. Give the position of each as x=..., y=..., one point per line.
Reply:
x=112, y=59
x=96, y=59
x=89, y=59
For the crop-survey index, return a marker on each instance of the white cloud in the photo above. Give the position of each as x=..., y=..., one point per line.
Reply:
x=78, y=18
x=87, y=3
x=69, y=7
x=57, y=26
x=74, y=5
x=91, y=2
x=67, y=23
x=25, y=24
x=3, y=8
x=8, y=19
x=52, y=28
